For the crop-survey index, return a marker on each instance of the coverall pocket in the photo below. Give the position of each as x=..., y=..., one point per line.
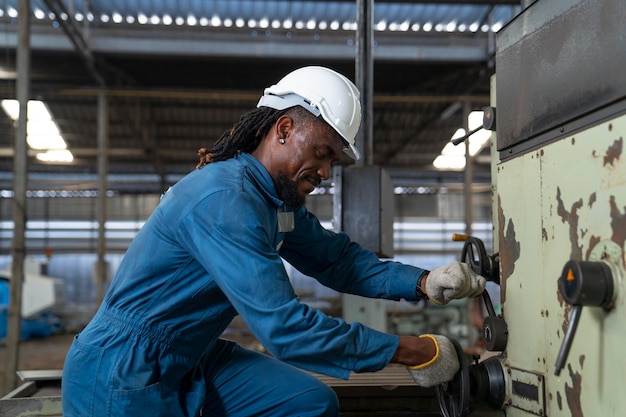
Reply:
x=145, y=401
x=82, y=366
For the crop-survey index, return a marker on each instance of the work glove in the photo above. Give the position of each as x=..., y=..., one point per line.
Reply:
x=441, y=368
x=454, y=280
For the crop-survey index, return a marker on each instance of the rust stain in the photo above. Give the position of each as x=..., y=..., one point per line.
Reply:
x=571, y=218
x=593, y=241
x=592, y=199
x=613, y=152
x=544, y=234
x=509, y=248
x=618, y=224
x=558, y=294
x=566, y=315
x=573, y=393
x=581, y=360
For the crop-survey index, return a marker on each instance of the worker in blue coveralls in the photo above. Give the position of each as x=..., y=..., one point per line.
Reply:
x=212, y=250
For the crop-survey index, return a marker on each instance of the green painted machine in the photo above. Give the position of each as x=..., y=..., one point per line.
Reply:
x=559, y=205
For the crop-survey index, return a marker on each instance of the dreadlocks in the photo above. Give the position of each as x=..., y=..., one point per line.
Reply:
x=244, y=136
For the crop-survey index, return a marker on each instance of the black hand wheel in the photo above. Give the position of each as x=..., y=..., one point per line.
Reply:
x=495, y=330
x=475, y=255
x=453, y=396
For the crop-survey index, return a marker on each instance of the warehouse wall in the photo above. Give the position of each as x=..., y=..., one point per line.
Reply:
x=65, y=224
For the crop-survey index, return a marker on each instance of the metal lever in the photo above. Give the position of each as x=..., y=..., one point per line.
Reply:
x=489, y=123
x=568, y=339
x=583, y=284
x=495, y=329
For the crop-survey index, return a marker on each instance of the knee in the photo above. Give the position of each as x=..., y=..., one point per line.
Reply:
x=321, y=401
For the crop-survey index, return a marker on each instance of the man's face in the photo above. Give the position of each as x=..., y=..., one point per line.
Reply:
x=305, y=160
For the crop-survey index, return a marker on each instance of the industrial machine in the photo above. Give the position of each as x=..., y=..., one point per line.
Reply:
x=559, y=203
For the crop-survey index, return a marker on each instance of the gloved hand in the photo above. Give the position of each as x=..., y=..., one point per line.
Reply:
x=441, y=368
x=454, y=280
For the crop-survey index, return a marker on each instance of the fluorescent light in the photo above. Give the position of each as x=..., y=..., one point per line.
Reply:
x=37, y=110
x=478, y=139
x=452, y=156
x=46, y=142
x=11, y=108
x=42, y=132
x=450, y=162
x=42, y=128
x=451, y=149
x=59, y=155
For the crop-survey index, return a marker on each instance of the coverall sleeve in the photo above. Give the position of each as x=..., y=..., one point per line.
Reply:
x=232, y=237
x=343, y=265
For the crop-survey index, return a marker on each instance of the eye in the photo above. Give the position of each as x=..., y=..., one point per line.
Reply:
x=322, y=155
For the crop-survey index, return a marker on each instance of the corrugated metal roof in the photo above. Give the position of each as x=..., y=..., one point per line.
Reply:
x=177, y=87
x=262, y=14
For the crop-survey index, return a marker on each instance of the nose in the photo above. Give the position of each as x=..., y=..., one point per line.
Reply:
x=324, y=170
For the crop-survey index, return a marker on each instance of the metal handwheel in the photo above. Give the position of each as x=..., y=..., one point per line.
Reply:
x=475, y=255
x=495, y=330
x=454, y=396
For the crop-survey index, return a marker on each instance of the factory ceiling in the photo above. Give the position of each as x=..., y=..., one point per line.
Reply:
x=176, y=74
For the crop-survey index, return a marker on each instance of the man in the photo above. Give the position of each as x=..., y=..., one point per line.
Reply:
x=212, y=250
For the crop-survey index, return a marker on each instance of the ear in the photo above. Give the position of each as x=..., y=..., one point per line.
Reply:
x=283, y=126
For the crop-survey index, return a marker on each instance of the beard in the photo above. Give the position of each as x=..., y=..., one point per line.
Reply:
x=287, y=191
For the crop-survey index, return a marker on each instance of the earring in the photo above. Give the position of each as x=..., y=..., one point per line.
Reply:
x=281, y=141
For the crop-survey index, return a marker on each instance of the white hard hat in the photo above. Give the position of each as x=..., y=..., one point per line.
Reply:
x=322, y=91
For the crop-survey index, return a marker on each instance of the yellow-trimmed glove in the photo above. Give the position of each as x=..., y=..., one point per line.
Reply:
x=454, y=280
x=441, y=368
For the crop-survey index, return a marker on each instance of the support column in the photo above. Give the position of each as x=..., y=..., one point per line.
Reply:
x=364, y=74
x=20, y=182
x=101, y=204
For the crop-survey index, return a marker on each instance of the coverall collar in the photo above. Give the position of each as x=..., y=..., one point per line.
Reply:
x=263, y=178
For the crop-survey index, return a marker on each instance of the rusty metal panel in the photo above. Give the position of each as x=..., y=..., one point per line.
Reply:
x=526, y=391
x=566, y=200
x=556, y=62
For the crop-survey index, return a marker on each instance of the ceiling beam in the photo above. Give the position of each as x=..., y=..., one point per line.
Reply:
x=430, y=47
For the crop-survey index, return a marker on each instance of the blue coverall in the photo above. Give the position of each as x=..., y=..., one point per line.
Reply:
x=211, y=250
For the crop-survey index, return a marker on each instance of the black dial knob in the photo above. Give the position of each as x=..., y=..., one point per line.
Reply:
x=583, y=284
